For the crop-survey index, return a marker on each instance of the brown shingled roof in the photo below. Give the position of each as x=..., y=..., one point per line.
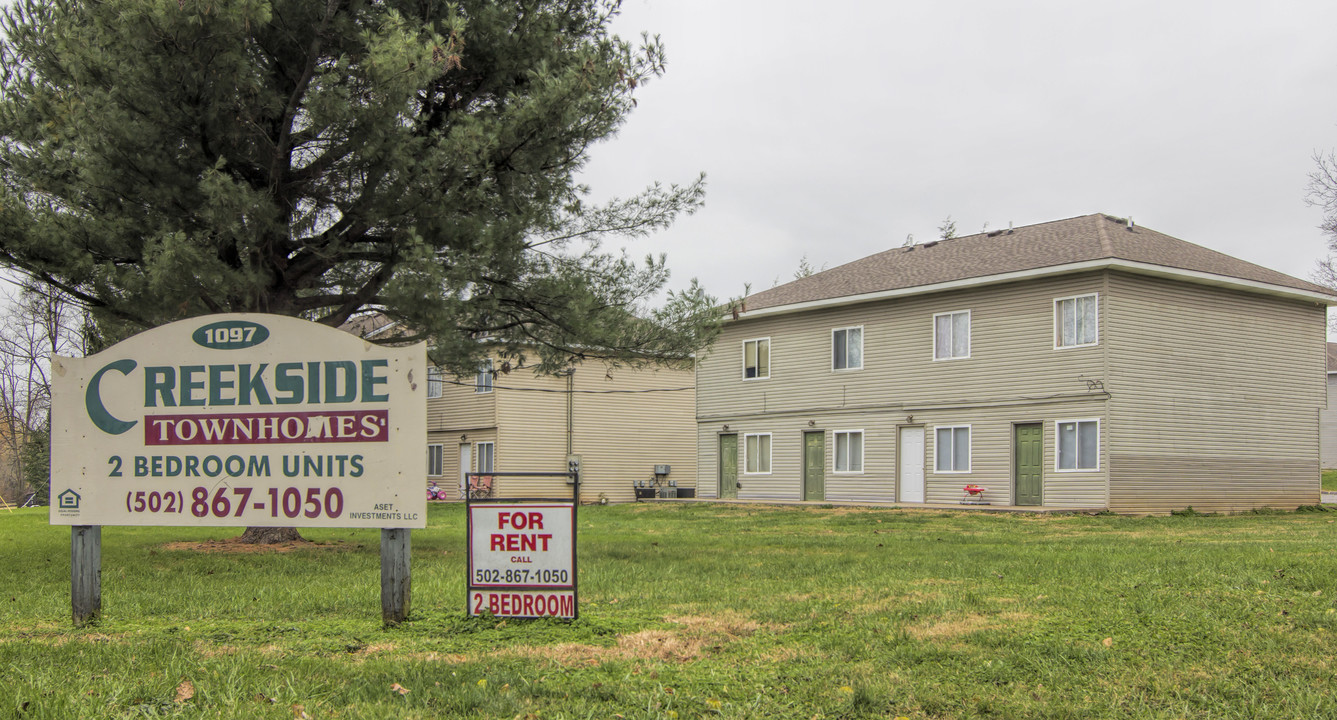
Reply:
x=1033, y=247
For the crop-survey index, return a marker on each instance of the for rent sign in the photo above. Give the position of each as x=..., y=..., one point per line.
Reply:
x=522, y=559
x=244, y=419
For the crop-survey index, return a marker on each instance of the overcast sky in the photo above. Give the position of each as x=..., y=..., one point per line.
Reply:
x=834, y=130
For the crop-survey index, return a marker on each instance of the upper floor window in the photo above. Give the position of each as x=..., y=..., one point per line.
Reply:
x=1078, y=445
x=952, y=448
x=757, y=454
x=849, y=451
x=951, y=335
x=435, y=382
x=1075, y=322
x=757, y=358
x=483, y=383
x=847, y=348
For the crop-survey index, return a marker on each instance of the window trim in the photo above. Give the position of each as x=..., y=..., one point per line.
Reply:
x=970, y=329
x=770, y=453
x=769, y=359
x=1058, y=449
x=835, y=451
x=847, y=367
x=435, y=379
x=1058, y=325
x=440, y=460
x=970, y=450
x=485, y=370
x=478, y=456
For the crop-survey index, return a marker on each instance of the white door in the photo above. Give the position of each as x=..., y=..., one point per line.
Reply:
x=912, y=465
x=466, y=464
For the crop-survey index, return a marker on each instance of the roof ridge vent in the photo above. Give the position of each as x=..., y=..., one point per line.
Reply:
x=930, y=243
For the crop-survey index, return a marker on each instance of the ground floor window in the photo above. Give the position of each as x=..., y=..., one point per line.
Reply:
x=434, y=460
x=952, y=448
x=849, y=451
x=1078, y=445
x=486, y=454
x=757, y=449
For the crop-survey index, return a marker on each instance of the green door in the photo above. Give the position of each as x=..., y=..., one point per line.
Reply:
x=814, y=464
x=728, y=466
x=1028, y=460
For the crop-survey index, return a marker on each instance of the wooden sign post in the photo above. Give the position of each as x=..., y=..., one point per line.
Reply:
x=86, y=573
x=396, y=576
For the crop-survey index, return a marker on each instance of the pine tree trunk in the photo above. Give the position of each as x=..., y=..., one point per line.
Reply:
x=269, y=535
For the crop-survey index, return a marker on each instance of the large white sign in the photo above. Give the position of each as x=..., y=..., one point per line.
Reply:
x=522, y=559
x=242, y=420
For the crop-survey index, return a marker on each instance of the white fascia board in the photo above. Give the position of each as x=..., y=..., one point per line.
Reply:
x=1192, y=276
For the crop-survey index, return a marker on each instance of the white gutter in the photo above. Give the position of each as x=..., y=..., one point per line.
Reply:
x=1140, y=268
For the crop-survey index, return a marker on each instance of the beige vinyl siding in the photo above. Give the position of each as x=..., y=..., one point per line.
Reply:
x=450, y=453
x=1215, y=397
x=460, y=408
x=708, y=460
x=991, y=455
x=459, y=411
x=1328, y=427
x=991, y=438
x=1012, y=355
x=1014, y=374
x=620, y=431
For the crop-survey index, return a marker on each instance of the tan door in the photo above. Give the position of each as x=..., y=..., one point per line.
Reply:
x=466, y=465
x=911, y=464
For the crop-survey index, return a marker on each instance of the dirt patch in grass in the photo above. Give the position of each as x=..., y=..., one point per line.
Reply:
x=61, y=638
x=232, y=546
x=786, y=654
x=433, y=657
x=936, y=581
x=693, y=637
x=887, y=603
x=210, y=650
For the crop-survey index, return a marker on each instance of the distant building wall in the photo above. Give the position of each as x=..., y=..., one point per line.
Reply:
x=1328, y=425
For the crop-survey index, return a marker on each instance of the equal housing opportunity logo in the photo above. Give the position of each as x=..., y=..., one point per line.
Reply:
x=67, y=503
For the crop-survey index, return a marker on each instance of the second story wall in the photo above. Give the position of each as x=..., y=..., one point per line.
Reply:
x=1012, y=353
x=461, y=406
x=622, y=422
x=1215, y=397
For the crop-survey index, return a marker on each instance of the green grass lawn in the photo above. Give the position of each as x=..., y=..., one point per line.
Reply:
x=700, y=611
x=1330, y=480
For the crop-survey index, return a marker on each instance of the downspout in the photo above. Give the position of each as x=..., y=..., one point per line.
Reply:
x=570, y=415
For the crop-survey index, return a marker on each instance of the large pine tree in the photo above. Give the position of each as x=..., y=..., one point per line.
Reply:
x=167, y=158
x=161, y=159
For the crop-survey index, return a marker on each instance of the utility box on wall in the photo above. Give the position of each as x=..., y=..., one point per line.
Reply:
x=662, y=469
